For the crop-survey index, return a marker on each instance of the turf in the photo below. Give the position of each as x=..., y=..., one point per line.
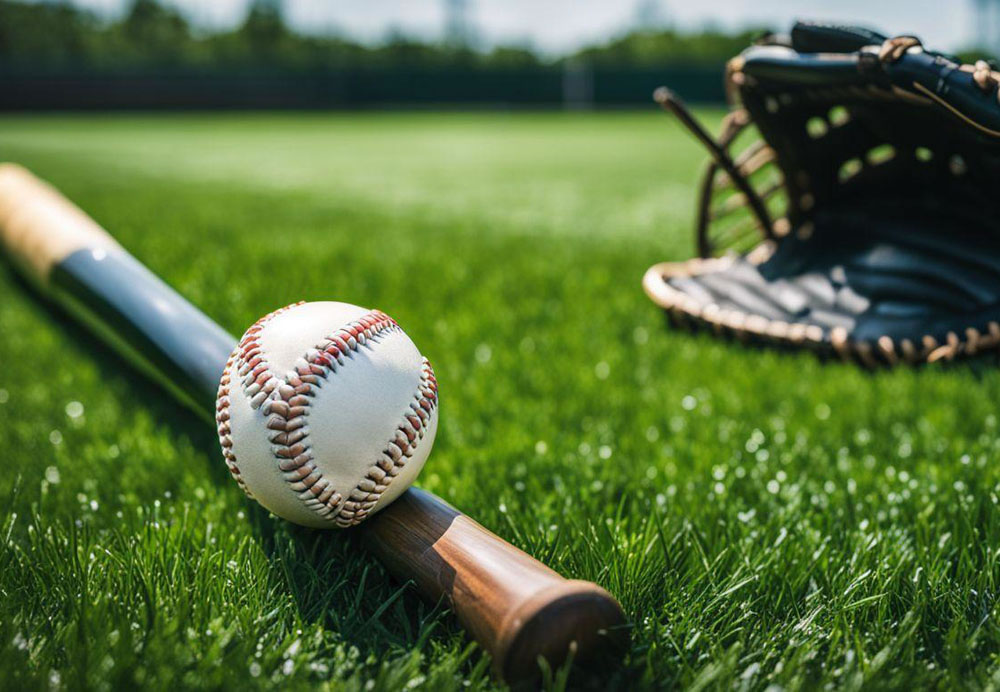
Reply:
x=764, y=518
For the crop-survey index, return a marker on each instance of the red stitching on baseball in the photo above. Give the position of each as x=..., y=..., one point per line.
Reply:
x=286, y=403
x=225, y=434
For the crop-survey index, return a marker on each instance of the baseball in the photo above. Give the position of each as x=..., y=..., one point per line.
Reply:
x=326, y=412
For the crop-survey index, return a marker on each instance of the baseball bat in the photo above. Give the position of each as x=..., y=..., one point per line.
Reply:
x=517, y=608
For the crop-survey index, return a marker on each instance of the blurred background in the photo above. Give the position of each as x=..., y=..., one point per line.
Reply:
x=301, y=54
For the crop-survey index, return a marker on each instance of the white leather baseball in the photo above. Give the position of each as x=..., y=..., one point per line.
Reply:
x=326, y=412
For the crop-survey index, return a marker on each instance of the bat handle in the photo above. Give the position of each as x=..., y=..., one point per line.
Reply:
x=80, y=266
x=39, y=227
x=516, y=608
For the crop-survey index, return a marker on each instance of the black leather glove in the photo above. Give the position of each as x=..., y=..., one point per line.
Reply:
x=864, y=219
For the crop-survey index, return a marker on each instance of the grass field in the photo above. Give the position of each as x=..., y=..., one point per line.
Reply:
x=764, y=518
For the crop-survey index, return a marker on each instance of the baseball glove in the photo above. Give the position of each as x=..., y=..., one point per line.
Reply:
x=851, y=204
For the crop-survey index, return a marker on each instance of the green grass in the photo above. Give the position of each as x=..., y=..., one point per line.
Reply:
x=764, y=518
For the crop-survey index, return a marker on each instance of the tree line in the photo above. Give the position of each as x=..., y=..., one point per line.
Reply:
x=57, y=36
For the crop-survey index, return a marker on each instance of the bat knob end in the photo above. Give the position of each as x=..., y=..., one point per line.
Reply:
x=574, y=618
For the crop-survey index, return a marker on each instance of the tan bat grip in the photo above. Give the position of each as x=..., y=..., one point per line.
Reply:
x=39, y=227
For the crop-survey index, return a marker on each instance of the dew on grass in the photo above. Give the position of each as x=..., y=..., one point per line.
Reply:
x=483, y=353
x=604, y=452
x=602, y=370
x=822, y=411
x=694, y=640
x=541, y=447
x=863, y=436
x=688, y=403
x=52, y=475
x=750, y=671
x=74, y=409
x=55, y=437
x=773, y=487
x=652, y=433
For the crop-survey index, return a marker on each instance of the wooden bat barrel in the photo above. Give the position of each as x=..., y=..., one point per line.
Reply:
x=514, y=606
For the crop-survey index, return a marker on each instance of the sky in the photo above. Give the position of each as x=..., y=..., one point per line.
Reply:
x=556, y=26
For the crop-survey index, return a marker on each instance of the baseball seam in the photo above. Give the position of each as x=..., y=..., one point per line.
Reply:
x=225, y=432
x=286, y=404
